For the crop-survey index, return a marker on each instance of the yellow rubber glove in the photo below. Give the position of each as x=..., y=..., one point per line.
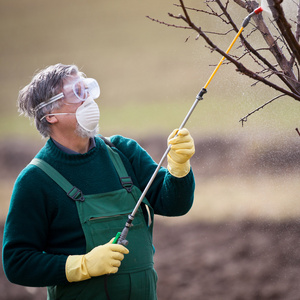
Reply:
x=104, y=259
x=182, y=149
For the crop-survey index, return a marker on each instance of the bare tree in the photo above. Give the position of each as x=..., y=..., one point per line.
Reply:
x=276, y=64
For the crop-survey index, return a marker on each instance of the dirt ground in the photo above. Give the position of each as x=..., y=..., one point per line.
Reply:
x=234, y=261
x=242, y=260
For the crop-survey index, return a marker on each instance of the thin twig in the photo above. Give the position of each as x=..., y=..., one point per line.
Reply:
x=210, y=13
x=167, y=24
x=244, y=119
x=185, y=12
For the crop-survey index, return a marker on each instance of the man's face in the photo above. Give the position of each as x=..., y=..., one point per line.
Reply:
x=70, y=103
x=66, y=117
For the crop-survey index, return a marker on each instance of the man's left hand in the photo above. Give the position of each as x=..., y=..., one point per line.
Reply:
x=182, y=149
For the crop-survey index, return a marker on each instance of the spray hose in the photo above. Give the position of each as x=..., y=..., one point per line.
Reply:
x=121, y=236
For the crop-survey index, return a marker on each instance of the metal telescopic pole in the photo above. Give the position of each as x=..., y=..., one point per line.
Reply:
x=121, y=237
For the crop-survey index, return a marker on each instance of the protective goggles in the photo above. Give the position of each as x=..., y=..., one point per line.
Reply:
x=75, y=92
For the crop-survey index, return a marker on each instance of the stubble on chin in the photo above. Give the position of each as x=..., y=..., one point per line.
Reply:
x=81, y=132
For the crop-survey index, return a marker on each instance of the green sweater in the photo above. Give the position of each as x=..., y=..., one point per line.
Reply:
x=43, y=227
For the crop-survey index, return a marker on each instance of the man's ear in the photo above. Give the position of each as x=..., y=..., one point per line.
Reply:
x=51, y=119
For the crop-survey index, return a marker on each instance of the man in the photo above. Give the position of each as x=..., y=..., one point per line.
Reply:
x=69, y=203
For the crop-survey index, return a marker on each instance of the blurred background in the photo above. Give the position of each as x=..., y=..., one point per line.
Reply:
x=149, y=76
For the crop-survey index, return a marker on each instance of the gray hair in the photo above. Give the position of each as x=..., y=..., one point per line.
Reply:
x=43, y=86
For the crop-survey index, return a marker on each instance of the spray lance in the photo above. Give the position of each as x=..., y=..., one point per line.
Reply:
x=121, y=236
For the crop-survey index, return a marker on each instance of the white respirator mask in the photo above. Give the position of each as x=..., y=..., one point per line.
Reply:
x=88, y=114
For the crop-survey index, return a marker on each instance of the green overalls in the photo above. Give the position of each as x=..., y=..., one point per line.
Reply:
x=101, y=217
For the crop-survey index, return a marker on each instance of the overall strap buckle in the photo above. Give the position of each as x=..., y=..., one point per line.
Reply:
x=127, y=183
x=125, y=180
x=72, y=191
x=76, y=194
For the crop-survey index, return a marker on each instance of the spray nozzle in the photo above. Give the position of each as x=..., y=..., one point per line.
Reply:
x=258, y=10
x=247, y=19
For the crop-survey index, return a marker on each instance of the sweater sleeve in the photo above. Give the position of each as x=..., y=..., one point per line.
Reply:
x=168, y=195
x=25, y=261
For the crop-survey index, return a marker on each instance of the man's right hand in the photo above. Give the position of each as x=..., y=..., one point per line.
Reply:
x=104, y=259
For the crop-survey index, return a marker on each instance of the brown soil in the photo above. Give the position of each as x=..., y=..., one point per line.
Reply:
x=234, y=261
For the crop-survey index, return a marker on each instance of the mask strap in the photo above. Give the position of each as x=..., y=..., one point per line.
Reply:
x=56, y=114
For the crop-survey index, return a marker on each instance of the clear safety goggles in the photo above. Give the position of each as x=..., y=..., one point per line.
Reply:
x=75, y=92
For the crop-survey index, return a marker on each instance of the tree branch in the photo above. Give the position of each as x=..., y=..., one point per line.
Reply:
x=269, y=40
x=167, y=24
x=279, y=56
x=244, y=119
x=285, y=27
x=185, y=12
x=240, y=67
x=298, y=25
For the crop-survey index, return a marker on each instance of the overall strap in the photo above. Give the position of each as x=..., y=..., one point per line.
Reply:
x=73, y=192
x=120, y=168
x=126, y=180
x=106, y=140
